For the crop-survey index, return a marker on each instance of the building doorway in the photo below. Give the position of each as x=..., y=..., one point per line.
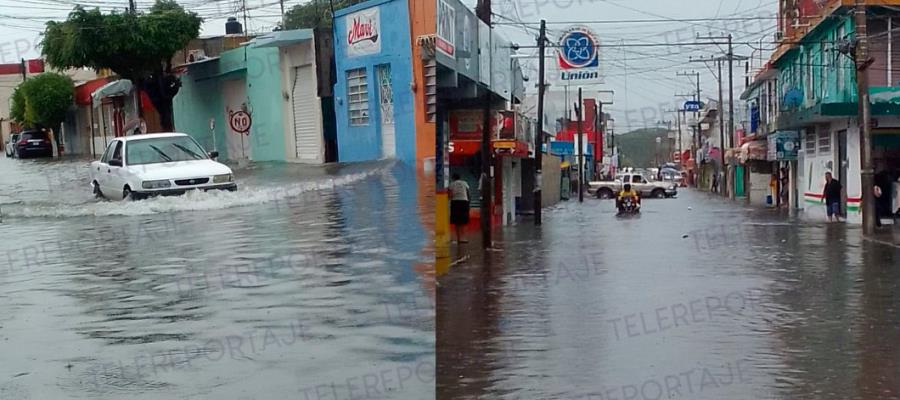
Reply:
x=386, y=108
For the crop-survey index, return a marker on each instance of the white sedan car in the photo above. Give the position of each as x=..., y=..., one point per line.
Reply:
x=135, y=167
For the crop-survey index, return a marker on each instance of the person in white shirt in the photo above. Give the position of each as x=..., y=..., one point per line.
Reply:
x=459, y=205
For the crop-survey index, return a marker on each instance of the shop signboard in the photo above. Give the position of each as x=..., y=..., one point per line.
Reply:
x=783, y=146
x=363, y=32
x=692, y=106
x=578, y=57
x=445, y=40
x=467, y=124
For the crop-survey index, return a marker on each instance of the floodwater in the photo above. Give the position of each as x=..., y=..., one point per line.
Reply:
x=309, y=282
x=696, y=298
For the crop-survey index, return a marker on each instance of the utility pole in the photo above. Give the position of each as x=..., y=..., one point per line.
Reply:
x=579, y=108
x=682, y=113
x=865, y=127
x=539, y=136
x=602, y=130
x=484, y=13
x=730, y=57
x=696, y=136
x=131, y=6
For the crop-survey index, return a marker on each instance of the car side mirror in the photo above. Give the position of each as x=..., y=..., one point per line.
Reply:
x=115, y=162
x=213, y=154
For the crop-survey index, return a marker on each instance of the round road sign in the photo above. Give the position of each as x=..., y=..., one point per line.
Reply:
x=240, y=121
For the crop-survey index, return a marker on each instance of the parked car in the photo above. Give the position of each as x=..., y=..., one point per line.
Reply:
x=640, y=183
x=136, y=167
x=11, y=145
x=34, y=143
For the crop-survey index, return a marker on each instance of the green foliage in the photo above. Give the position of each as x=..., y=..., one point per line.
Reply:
x=133, y=45
x=17, y=107
x=136, y=46
x=638, y=147
x=315, y=13
x=43, y=100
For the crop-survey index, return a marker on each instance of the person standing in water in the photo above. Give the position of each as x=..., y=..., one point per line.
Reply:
x=459, y=205
x=832, y=197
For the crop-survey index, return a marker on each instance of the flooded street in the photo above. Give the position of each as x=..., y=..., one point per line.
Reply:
x=309, y=282
x=696, y=298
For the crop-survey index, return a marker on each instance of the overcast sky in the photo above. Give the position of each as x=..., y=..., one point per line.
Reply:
x=644, y=78
x=22, y=21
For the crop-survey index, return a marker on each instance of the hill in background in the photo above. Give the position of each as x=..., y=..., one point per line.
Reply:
x=638, y=147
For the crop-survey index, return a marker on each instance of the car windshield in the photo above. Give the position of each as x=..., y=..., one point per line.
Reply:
x=35, y=135
x=165, y=149
x=15, y=137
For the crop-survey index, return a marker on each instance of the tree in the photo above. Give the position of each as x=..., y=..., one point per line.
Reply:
x=48, y=97
x=136, y=46
x=315, y=13
x=42, y=101
x=17, y=108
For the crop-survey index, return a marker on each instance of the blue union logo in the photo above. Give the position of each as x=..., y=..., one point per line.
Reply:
x=578, y=49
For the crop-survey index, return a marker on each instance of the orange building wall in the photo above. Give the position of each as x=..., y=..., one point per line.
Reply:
x=423, y=21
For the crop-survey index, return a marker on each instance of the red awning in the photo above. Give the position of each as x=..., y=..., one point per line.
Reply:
x=83, y=91
x=146, y=104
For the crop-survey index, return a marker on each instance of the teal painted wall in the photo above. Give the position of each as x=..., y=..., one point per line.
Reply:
x=264, y=90
x=817, y=69
x=201, y=98
x=192, y=115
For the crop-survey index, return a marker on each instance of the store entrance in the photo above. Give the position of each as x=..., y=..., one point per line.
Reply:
x=886, y=163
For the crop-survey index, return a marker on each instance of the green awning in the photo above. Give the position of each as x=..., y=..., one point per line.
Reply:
x=282, y=38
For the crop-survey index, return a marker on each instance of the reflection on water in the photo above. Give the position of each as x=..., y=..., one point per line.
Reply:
x=590, y=306
x=239, y=297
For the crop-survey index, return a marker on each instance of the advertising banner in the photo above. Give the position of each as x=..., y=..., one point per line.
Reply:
x=363, y=32
x=578, y=57
x=445, y=40
x=784, y=146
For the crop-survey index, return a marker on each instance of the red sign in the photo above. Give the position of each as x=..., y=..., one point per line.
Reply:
x=240, y=121
x=362, y=31
x=467, y=124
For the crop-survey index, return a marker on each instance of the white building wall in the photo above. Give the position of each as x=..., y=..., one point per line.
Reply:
x=811, y=179
x=291, y=57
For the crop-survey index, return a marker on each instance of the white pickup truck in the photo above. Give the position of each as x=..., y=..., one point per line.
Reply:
x=640, y=183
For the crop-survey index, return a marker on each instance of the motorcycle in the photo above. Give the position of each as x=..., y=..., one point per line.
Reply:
x=629, y=205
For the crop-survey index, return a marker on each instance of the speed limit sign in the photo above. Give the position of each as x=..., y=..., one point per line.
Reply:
x=240, y=122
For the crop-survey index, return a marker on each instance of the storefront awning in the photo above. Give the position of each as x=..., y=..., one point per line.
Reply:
x=84, y=90
x=282, y=38
x=755, y=150
x=121, y=87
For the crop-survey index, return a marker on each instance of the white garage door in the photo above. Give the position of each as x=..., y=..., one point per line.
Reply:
x=307, y=140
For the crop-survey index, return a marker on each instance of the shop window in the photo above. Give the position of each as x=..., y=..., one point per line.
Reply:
x=358, y=97
x=811, y=142
x=430, y=71
x=824, y=142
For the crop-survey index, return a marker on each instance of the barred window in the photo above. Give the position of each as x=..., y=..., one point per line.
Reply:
x=358, y=97
x=824, y=141
x=811, y=142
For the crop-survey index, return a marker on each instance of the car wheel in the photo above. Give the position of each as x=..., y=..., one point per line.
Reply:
x=95, y=188
x=128, y=195
x=604, y=193
x=658, y=193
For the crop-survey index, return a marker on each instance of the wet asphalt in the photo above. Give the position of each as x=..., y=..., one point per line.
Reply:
x=307, y=283
x=697, y=298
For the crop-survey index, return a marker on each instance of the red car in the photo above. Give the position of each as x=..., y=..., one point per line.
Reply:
x=34, y=143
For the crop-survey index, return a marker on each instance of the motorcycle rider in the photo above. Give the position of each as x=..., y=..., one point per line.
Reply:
x=627, y=191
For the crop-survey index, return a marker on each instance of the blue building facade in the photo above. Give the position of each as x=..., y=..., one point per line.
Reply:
x=373, y=98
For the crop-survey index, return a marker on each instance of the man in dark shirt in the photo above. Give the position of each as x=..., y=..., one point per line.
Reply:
x=832, y=197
